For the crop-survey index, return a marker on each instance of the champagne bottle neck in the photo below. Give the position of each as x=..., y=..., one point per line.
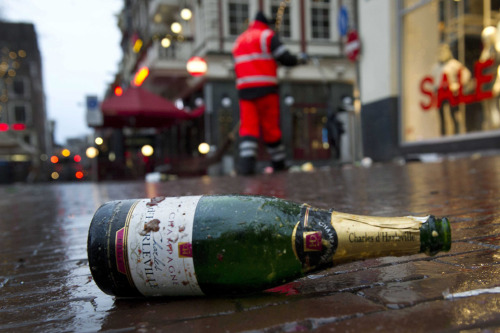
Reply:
x=324, y=237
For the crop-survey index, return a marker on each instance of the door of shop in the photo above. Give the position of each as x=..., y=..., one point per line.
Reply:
x=309, y=140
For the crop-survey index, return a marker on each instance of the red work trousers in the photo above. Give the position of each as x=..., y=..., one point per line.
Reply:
x=261, y=113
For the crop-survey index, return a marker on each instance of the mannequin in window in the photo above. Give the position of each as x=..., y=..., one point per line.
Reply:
x=491, y=50
x=450, y=74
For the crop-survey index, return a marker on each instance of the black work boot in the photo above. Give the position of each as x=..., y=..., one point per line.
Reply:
x=247, y=155
x=278, y=155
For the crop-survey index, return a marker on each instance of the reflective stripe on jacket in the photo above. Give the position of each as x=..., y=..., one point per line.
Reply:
x=255, y=65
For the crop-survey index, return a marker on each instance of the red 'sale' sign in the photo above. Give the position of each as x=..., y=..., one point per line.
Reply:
x=484, y=73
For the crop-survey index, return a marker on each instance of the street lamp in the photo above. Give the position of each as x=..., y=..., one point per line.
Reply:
x=176, y=27
x=204, y=148
x=186, y=14
x=196, y=66
x=92, y=152
x=147, y=150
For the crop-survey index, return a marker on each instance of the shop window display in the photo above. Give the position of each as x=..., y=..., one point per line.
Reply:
x=450, y=60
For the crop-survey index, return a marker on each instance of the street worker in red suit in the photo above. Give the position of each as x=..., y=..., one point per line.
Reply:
x=256, y=54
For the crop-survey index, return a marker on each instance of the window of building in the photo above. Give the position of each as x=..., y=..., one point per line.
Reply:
x=168, y=52
x=238, y=16
x=20, y=114
x=281, y=14
x=449, y=77
x=18, y=87
x=320, y=19
x=3, y=104
x=139, y=11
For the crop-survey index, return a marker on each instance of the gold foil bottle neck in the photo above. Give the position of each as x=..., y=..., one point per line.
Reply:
x=363, y=237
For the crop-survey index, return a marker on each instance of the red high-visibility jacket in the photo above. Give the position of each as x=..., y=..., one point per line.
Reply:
x=255, y=65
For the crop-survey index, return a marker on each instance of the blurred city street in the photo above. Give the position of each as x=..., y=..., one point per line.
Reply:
x=46, y=285
x=145, y=100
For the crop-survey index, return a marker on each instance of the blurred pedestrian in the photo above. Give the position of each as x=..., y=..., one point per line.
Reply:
x=257, y=53
x=335, y=129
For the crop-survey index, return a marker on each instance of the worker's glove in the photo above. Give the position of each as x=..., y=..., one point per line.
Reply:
x=302, y=58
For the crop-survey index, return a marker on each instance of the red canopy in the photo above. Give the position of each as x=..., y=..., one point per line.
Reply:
x=140, y=108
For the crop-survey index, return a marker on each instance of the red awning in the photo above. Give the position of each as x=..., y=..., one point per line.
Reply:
x=140, y=108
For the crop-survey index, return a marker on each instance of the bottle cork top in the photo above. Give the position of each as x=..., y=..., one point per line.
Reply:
x=435, y=235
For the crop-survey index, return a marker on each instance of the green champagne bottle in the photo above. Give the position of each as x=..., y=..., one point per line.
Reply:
x=238, y=244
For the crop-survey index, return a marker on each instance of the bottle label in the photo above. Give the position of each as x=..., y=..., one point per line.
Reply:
x=314, y=238
x=157, y=246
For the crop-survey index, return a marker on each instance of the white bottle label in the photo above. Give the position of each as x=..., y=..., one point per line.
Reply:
x=159, y=246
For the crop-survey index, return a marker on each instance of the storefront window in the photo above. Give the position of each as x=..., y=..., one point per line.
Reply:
x=449, y=68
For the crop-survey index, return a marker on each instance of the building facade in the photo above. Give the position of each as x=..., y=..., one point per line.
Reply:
x=158, y=37
x=25, y=131
x=428, y=76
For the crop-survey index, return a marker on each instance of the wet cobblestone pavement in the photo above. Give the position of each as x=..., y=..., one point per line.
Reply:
x=46, y=286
